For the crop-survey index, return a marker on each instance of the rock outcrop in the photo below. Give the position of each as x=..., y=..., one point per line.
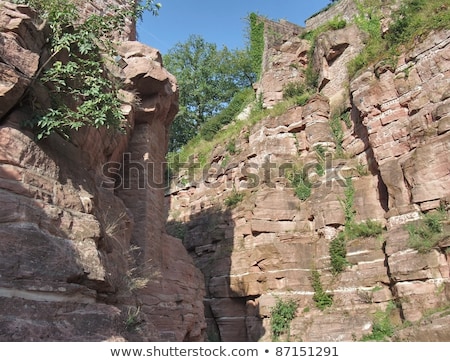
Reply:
x=263, y=245
x=84, y=255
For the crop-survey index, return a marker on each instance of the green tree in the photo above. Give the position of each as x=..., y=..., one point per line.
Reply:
x=208, y=78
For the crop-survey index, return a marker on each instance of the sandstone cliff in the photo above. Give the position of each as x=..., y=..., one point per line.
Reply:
x=256, y=242
x=84, y=256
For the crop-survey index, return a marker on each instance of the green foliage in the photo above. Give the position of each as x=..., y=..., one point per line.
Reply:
x=301, y=100
x=133, y=318
x=362, y=169
x=177, y=229
x=299, y=92
x=299, y=181
x=281, y=316
x=382, y=327
x=413, y=20
x=207, y=132
x=352, y=230
x=208, y=79
x=366, y=228
x=405, y=22
x=225, y=161
x=322, y=299
x=74, y=74
x=338, y=246
x=213, y=125
x=234, y=199
x=338, y=134
x=320, y=166
x=231, y=147
x=346, y=117
x=334, y=24
x=425, y=234
x=311, y=75
x=369, y=21
x=256, y=43
x=200, y=149
x=293, y=89
x=347, y=202
x=337, y=23
x=302, y=191
x=338, y=254
x=320, y=152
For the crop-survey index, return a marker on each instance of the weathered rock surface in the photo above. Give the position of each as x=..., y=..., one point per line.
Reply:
x=396, y=152
x=21, y=43
x=284, y=56
x=84, y=255
x=334, y=49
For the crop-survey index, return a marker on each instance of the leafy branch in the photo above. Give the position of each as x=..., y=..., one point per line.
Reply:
x=81, y=93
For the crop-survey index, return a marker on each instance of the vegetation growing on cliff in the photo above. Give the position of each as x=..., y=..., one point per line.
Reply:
x=281, y=317
x=352, y=230
x=411, y=22
x=382, y=326
x=75, y=73
x=299, y=92
x=311, y=74
x=344, y=298
x=298, y=178
x=338, y=130
x=234, y=198
x=256, y=42
x=321, y=298
x=425, y=234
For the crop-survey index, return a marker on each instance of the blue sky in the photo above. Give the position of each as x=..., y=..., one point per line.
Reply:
x=217, y=21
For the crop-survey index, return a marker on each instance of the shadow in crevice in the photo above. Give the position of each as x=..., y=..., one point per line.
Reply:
x=209, y=236
x=362, y=133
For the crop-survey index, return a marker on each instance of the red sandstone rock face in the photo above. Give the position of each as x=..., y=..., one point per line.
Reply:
x=265, y=247
x=284, y=58
x=333, y=51
x=402, y=115
x=21, y=42
x=81, y=260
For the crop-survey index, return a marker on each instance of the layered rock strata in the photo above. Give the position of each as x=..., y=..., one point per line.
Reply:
x=265, y=247
x=83, y=249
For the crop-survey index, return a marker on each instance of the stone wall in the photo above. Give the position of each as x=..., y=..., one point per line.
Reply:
x=280, y=38
x=277, y=32
x=346, y=9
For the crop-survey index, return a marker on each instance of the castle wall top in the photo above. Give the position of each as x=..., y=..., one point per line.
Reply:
x=346, y=9
x=277, y=32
